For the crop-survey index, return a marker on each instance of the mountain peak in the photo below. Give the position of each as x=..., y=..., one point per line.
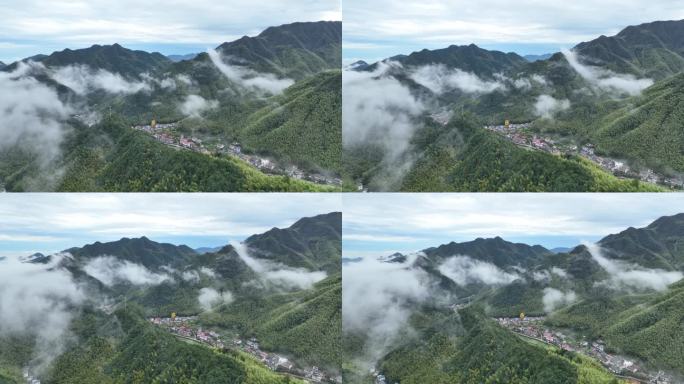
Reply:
x=137, y=250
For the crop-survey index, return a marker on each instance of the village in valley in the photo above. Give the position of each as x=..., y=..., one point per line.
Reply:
x=168, y=135
x=186, y=327
x=622, y=367
x=522, y=136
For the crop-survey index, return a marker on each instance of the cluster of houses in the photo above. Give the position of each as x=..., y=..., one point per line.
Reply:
x=519, y=135
x=532, y=327
x=184, y=327
x=161, y=133
x=269, y=166
x=154, y=127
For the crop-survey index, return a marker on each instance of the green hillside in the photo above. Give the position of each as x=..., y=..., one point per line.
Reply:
x=303, y=125
x=113, y=58
x=646, y=326
x=111, y=157
x=651, y=49
x=463, y=157
x=141, y=251
x=143, y=354
x=648, y=128
x=305, y=324
x=313, y=243
x=486, y=353
x=469, y=58
x=293, y=50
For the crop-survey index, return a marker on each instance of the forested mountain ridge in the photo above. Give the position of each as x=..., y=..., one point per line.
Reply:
x=625, y=292
x=141, y=251
x=606, y=110
x=277, y=95
x=113, y=58
x=495, y=250
x=296, y=50
x=129, y=281
x=650, y=49
x=470, y=58
x=313, y=243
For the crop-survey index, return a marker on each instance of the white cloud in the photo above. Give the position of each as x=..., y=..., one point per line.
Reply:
x=464, y=270
x=110, y=271
x=623, y=275
x=249, y=78
x=195, y=105
x=554, y=298
x=439, y=23
x=208, y=272
x=191, y=276
x=439, y=79
x=539, y=79
x=32, y=114
x=541, y=275
x=82, y=79
x=559, y=272
x=380, y=238
x=378, y=300
x=547, y=106
x=279, y=274
x=210, y=298
x=462, y=217
x=522, y=83
x=378, y=110
x=605, y=79
x=113, y=216
x=36, y=299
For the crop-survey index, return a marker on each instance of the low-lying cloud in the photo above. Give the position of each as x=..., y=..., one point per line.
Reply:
x=279, y=274
x=195, y=105
x=32, y=114
x=624, y=275
x=439, y=79
x=605, y=79
x=554, y=298
x=547, y=106
x=83, y=79
x=378, y=110
x=464, y=270
x=379, y=299
x=249, y=78
x=35, y=299
x=210, y=298
x=110, y=271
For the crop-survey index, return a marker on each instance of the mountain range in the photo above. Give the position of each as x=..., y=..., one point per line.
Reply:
x=626, y=292
x=621, y=94
x=133, y=279
x=277, y=94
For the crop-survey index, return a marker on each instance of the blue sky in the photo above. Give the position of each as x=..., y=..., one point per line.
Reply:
x=31, y=27
x=379, y=224
x=378, y=29
x=53, y=222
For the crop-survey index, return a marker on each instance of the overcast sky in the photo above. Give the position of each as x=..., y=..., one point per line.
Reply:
x=382, y=28
x=53, y=222
x=380, y=224
x=30, y=27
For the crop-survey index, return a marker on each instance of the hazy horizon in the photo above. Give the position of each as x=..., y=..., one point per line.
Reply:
x=377, y=30
x=32, y=28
